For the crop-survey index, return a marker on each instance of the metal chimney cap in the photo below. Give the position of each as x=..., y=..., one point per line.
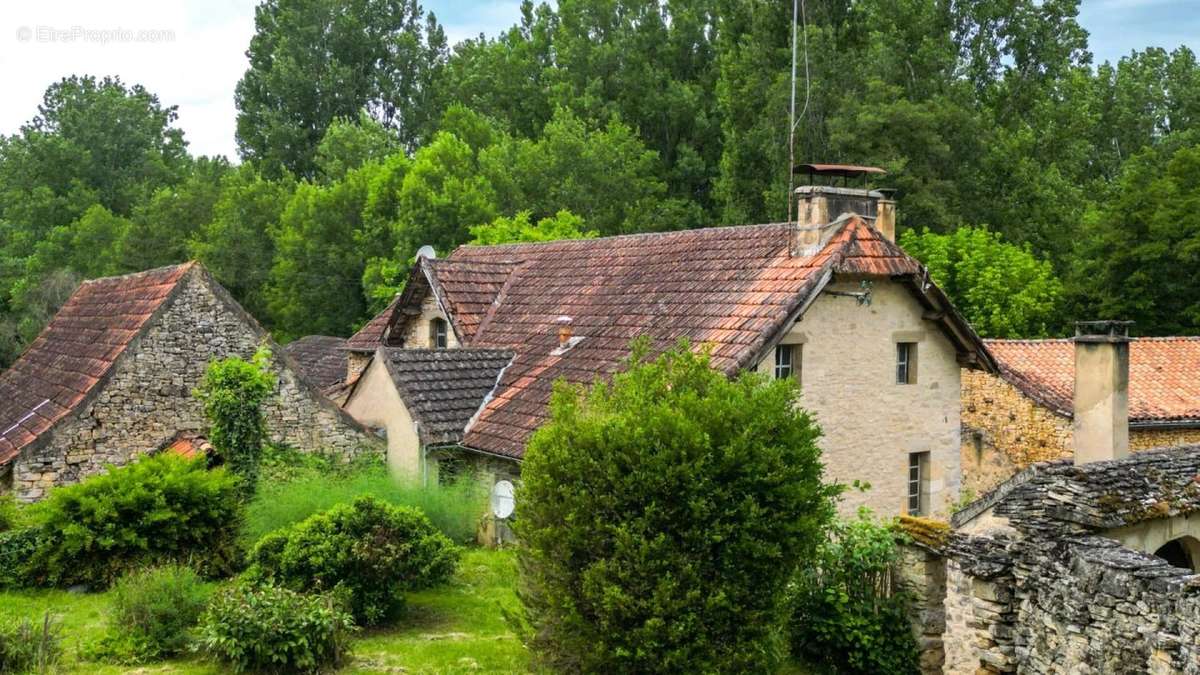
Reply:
x=1109, y=330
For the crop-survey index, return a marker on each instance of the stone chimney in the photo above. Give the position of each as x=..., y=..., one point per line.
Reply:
x=817, y=206
x=1101, y=417
x=885, y=215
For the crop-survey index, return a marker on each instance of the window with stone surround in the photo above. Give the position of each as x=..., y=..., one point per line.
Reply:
x=906, y=363
x=918, y=484
x=437, y=333
x=788, y=361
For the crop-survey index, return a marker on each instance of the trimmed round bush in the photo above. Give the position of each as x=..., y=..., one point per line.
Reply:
x=265, y=628
x=159, y=509
x=153, y=612
x=368, y=553
x=662, y=517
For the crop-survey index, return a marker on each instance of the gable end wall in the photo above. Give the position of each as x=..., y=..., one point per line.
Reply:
x=148, y=398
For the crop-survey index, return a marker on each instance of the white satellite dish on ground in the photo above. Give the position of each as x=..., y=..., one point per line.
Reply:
x=426, y=251
x=503, y=502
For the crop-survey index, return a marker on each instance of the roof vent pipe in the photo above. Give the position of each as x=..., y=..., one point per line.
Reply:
x=564, y=332
x=1100, y=424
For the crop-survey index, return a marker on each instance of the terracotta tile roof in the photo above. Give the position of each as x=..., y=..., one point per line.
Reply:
x=76, y=351
x=732, y=288
x=444, y=388
x=468, y=289
x=1164, y=376
x=371, y=335
x=321, y=358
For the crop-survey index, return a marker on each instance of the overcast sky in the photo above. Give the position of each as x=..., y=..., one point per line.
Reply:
x=192, y=52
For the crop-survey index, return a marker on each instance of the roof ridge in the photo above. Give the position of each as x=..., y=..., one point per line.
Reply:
x=611, y=237
x=143, y=273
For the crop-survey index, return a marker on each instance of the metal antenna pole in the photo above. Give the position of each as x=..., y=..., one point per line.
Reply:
x=792, y=117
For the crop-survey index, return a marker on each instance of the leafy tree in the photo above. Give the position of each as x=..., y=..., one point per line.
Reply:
x=442, y=196
x=113, y=141
x=348, y=144
x=315, y=281
x=32, y=309
x=1142, y=250
x=161, y=227
x=663, y=515
x=232, y=392
x=1003, y=289
x=236, y=244
x=564, y=225
x=606, y=175
x=314, y=61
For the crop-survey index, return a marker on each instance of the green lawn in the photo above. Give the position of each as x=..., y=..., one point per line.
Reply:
x=456, y=628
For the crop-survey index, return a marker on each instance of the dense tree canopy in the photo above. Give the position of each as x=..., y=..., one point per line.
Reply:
x=363, y=135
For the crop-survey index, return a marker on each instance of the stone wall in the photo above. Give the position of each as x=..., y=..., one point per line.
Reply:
x=1005, y=431
x=871, y=423
x=417, y=334
x=147, y=398
x=1051, y=591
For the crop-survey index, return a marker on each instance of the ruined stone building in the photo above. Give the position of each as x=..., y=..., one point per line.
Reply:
x=1023, y=414
x=1079, y=565
x=829, y=300
x=111, y=378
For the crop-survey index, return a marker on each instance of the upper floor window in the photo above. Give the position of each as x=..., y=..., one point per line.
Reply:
x=787, y=361
x=906, y=363
x=437, y=333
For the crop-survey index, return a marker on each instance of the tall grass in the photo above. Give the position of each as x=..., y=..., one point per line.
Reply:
x=453, y=509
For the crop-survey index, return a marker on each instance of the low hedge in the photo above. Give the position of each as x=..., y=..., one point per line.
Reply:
x=160, y=509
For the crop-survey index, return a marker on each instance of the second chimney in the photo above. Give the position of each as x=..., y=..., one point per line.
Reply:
x=1100, y=428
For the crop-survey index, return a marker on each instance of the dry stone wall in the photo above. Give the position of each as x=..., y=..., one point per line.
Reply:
x=1050, y=593
x=148, y=397
x=1004, y=431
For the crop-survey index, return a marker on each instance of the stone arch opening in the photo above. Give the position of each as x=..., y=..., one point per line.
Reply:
x=1183, y=552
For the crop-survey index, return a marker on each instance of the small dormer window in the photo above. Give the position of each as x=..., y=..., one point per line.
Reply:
x=437, y=333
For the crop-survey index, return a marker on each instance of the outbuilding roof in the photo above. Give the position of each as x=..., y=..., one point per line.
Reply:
x=443, y=389
x=320, y=358
x=76, y=351
x=1164, y=376
x=732, y=290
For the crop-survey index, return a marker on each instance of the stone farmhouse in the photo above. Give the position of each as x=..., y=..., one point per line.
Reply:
x=111, y=376
x=321, y=359
x=829, y=300
x=1023, y=414
x=1079, y=565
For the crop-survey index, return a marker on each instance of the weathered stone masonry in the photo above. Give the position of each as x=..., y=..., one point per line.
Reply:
x=148, y=398
x=1004, y=431
x=1046, y=592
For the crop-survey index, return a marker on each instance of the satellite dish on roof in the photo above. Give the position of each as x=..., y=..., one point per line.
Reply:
x=503, y=501
x=426, y=251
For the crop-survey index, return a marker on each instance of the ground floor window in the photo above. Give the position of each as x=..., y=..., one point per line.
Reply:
x=918, y=484
x=451, y=468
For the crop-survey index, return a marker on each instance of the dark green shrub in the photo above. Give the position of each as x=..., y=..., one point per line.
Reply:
x=159, y=509
x=17, y=547
x=232, y=392
x=849, y=614
x=367, y=552
x=273, y=629
x=10, y=513
x=29, y=646
x=662, y=517
x=153, y=612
